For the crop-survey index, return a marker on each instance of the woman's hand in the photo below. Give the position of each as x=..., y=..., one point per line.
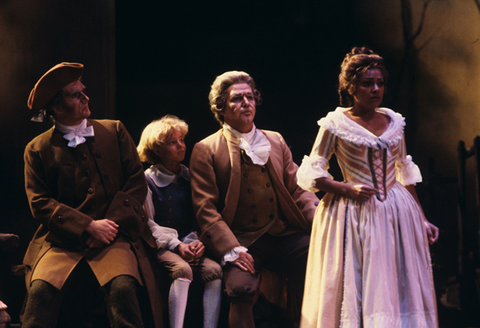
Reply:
x=360, y=192
x=432, y=232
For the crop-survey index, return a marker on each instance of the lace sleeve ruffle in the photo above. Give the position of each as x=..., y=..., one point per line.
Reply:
x=233, y=255
x=407, y=172
x=312, y=168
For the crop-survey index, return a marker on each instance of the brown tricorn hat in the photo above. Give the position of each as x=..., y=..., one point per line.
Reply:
x=53, y=82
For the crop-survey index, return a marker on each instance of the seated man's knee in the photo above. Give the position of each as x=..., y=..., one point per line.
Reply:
x=123, y=286
x=241, y=286
x=40, y=287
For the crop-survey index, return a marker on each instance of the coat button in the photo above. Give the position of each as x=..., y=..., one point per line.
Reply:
x=61, y=219
x=169, y=210
x=135, y=208
x=84, y=156
x=246, y=175
x=269, y=185
x=250, y=190
x=90, y=190
x=169, y=197
x=264, y=170
x=253, y=206
x=208, y=235
x=126, y=202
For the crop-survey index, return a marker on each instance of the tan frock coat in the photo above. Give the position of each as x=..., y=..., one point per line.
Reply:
x=215, y=174
x=67, y=188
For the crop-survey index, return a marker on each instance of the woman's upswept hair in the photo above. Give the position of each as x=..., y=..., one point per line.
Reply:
x=157, y=133
x=218, y=92
x=354, y=65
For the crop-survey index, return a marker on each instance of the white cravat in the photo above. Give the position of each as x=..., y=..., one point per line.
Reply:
x=254, y=143
x=75, y=134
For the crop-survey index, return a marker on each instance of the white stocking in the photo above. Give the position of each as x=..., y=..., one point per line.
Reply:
x=211, y=303
x=177, y=302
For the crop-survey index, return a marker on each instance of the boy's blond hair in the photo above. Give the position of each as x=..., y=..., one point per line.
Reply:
x=157, y=133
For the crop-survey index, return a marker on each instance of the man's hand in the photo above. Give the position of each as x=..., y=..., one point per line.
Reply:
x=102, y=232
x=245, y=262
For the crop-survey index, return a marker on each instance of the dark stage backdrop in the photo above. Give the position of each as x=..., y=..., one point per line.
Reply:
x=145, y=59
x=169, y=53
x=34, y=36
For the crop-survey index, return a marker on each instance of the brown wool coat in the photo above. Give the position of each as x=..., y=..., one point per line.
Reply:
x=215, y=174
x=215, y=168
x=67, y=188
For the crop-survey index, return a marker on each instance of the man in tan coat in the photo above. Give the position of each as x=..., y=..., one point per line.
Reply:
x=86, y=186
x=250, y=210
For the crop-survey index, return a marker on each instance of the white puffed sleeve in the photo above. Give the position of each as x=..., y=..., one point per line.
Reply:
x=316, y=165
x=312, y=168
x=406, y=171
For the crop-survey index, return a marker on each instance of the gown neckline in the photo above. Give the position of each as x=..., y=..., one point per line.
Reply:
x=345, y=113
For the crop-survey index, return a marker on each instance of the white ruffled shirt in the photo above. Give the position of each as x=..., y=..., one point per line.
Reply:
x=337, y=123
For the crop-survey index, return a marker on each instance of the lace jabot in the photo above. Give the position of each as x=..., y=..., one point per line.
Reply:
x=345, y=128
x=254, y=143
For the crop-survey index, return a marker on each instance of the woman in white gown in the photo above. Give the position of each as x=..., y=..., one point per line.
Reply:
x=369, y=261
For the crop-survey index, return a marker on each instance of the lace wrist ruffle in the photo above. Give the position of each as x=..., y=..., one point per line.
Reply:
x=233, y=255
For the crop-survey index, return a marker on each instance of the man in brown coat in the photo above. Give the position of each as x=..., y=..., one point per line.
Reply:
x=250, y=210
x=86, y=186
